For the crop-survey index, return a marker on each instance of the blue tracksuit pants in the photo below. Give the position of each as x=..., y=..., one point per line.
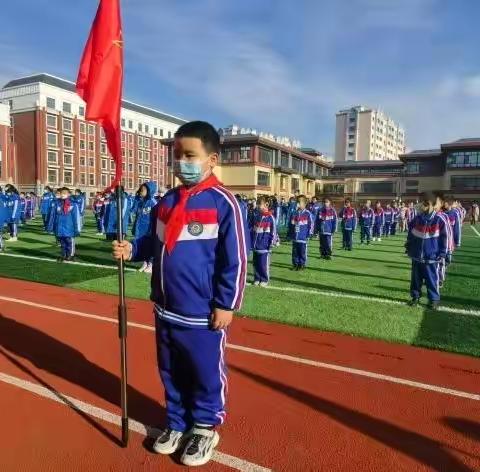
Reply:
x=299, y=254
x=347, y=238
x=326, y=244
x=99, y=221
x=13, y=228
x=377, y=230
x=387, y=227
x=192, y=367
x=67, y=246
x=393, y=229
x=428, y=273
x=366, y=233
x=261, y=266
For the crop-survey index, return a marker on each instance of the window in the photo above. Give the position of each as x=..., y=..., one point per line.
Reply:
x=112, y=165
x=102, y=133
x=146, y=128
x=52, y=157
x=130, y=183
x=130, y=167
x=123, y=166
x=295, y=185
x=51, y=103
x=463, y=159
x=68, y=142
x=413, y=168
x=140, y=155
x=67, y=125
x=104, y=180
x=161, y=132
x=91, y=129
x=147, y=156
x=91, y=162
x=82, y=144
x=103, y=148
x=333, y=189
x=68, y=177
x=169, y=134
x=67, y=107
x=82, y=160
x=140, y=127
x=130, y=153
x=284, y=160
x=83, y=180
x=297, y=164
x=104, y=164
x=266, y=155
x=52, y=176
x=130, y=124
x=351, y=129
x=81, y=111
x=461, y=182
x=124, y=152
x=351, y=136
x=91, y=146
x=283, y=183
x=140, y=141
x=124, y=137
x=140, y=168
x=52, y=139
x=91, y=179
x=155, y=131
x=155, y=144
x=68, y=159
x=83, y=128
x=376, y=187
x=146, y=142
x=122, y=123
x=130, y=138
x=263, y=179
x=51, y=121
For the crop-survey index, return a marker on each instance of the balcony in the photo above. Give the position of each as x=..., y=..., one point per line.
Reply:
x=285, y=170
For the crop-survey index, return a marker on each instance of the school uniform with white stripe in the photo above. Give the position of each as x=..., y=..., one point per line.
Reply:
x=201, y=267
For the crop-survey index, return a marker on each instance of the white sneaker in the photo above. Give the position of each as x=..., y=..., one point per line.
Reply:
x=256, y=283
x=148, y=269
x=99, y=234
x=200, y=447
x=374, y=239
x=263, y=284
x=168, y=442
x=144, y=267
x=13, y=239
x=379, y=239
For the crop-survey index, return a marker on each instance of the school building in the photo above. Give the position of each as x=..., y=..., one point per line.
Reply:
x=55, y=145
x=7, y=148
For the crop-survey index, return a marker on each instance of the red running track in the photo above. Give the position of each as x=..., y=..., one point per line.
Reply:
x=283, y=415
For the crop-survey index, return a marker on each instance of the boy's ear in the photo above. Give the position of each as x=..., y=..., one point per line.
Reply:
x=213, y=159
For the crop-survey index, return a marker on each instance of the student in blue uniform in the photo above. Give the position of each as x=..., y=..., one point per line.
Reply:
x=46, y=204
x=348, y=217
x=326, y=227
x=111, y=216
x=97, y=209
x=263, y=237
x=4, y=214
x=13, y=205
x=65, y=224
x=23, y=208
x=314, y=207
x=243, y=204
x=300, y=231
x=80, y=199
x=427, y=245
x=142, y=223
x=378, y=221
x=284, y=212
x=366, y=222
x=395, y=218
x=388, y=217
x=199, y=269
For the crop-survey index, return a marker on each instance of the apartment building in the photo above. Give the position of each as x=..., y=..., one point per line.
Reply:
x=7, y=147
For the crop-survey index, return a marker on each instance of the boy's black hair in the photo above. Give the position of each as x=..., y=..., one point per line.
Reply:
x=203, y=131
x=64, y=188
x=262, y=199
x=76, y=190
x=302, y=197
x=48, y=188
x=348, y=200
x=430, y=197
x=324, y=199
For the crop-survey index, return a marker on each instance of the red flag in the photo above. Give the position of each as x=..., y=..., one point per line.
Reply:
x=100, y=77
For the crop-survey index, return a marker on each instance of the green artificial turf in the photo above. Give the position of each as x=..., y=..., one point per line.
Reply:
x=380, y=270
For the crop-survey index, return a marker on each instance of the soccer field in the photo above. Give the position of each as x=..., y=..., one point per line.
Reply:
x=362, y=293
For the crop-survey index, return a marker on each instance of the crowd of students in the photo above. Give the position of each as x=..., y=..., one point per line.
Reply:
x=433, y=224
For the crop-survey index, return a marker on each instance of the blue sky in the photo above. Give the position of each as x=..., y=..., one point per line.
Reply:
x=284, y=66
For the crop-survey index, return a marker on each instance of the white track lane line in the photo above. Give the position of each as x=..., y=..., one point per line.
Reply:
x=108, y=417
x=446, y=309
x=475, y=229
x=274, y=355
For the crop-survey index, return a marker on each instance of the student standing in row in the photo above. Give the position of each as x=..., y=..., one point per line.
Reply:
x=300, y=231
x=326, y=226
x=348, y=217
x=45, y=205
x=378, y=221
x=366, y=222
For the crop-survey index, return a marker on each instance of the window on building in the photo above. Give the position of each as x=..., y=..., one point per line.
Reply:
x=51, y=103
x=413, y=168
x=377, y=187
x=295, y=184
x=104, y=164
x=283, y=183
x=130, y=138
x=140, y=155
x=266, y=155
x=52, y=139
x=463, y=159
x=82, y=144
x=146, y=129
x=130, y=167
x=81, y=111
x=91, y=179
x=91, y=146
x=297, y=164
x=68, y=159
x=333, y=189
x=103, y=148
x=83, y=179
x=122, y=122
x=146, y=155
x=67, y=107
x=146, y=142
x=351, y=128
x=130, y=153
x=91, y=130
x=462, y=182
x=130, y=183
x=82, y=160
x=140, y=127
x=263, y=179
x=124, y=137
x=104, y=180
x=140, y=141
x=112, y=165
x=124, y=152
x=284, y=160
x=83, y=128
x=68, y=142
x=140, y=168
x=169, y=134
x=123, y=166
x=245, y=154
x=130, y=124
x=161, y=132
x=51, y=121
x=52, y=157
x=67, y=125
x=155, y=131
x=53, y=176
x=68, y=177
x=91, y=162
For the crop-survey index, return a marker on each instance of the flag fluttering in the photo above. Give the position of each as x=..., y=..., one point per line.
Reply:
x=100, y=77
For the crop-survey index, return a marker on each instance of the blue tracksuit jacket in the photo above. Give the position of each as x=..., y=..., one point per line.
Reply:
x=301, y=226
x=110, y=221
x=263, y=232
x=4, y=211
x=207, y=268
x=388, y=216
x=143, y=221
x=65, y=223
x=326, y=221
x=13, y=205
x=349, y=218
x=46, y=202
x=367, y=217
x=427, y=240
x=379, y=217
x=456, y=224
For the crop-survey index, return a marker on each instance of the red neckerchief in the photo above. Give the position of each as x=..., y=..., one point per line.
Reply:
x=66, y=206
x=176, y=218
x=379, y=211
x=348, y=212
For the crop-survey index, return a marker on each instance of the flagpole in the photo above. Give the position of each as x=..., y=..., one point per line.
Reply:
x=122, y=320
